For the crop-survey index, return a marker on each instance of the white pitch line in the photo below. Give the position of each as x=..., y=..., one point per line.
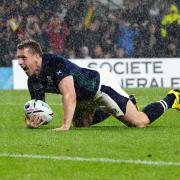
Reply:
x=101, y=160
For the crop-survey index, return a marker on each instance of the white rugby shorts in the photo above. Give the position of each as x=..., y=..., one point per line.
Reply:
x=110, y=97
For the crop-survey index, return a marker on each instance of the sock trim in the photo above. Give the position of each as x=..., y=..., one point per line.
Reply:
x=164, y=105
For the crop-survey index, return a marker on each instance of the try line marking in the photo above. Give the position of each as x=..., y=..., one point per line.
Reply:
x=99, y=160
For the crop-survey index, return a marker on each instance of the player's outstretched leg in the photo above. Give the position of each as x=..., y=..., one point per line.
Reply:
x=100, y=115
x=134, y=118
x=155, y=110
x=152, y=111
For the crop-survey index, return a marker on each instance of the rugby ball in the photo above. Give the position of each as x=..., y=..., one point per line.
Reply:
x=38, y=107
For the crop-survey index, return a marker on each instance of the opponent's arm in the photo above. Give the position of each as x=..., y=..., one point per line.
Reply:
x=66, y=86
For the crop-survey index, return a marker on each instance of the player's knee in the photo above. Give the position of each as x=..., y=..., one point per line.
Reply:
x=138, y=124
x=141, y=125
x=141, y=121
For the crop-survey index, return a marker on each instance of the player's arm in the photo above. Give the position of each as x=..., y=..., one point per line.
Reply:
x=66, y=86
x=38, y=92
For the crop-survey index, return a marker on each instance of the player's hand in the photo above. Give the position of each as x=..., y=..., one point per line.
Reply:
x=34, y=121
x=62, y=128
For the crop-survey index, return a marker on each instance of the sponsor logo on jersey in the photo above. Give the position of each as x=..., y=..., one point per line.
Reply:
x=59, y=72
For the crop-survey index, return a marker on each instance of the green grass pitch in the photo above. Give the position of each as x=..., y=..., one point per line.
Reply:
x=110, y=139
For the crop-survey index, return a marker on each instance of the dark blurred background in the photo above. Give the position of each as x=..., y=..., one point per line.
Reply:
x=92, y=28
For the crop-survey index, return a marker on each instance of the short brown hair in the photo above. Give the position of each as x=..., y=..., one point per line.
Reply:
x=33, y=46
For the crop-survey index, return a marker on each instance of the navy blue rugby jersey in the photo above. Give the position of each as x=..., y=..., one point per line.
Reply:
x=54, y=69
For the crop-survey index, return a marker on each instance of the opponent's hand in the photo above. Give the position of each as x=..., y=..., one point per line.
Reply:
x=34, y=121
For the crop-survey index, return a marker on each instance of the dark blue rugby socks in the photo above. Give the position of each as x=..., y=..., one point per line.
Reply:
x=156, y=109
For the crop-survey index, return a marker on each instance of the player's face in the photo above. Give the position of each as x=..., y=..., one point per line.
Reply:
x=28, y=61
